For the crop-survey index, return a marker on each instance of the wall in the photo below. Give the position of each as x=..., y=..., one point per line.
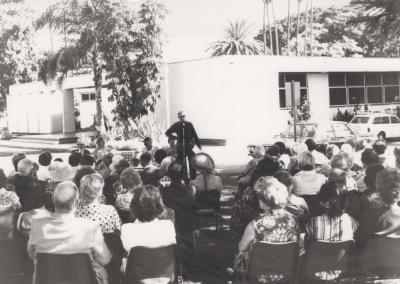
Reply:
x=318, y=94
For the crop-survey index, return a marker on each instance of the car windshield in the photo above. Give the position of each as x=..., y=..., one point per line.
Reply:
x=303, y=130
x=360, y=120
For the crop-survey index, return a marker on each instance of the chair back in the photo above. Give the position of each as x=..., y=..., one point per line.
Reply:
x=208, y=199
x=380, y=256
x=272, y=262
x=151, y=265
x=64, y=269
x=327, y=260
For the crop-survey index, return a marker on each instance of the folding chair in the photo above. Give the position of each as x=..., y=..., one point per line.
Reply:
x=64, y=269
x=272, y=263
x=326, y=262
x=151, y=265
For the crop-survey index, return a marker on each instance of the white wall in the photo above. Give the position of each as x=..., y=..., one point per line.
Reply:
x=318, y=90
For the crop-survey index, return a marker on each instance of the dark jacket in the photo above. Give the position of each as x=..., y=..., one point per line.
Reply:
x=184, y=132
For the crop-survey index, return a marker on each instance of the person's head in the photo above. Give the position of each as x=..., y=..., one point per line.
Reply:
x=146, y=203
x=286, y=179
x=45, y=159
x=107, y=159
x=299, y=148
x=135, y=162
x=371, y=173
x=341, y=161
x=58, y=160
x=258, y=152
x=311, y=144
x=171, y=141
x=159, y=156
x=369, y=157
x=59, y=171
x=353, y=143
x=65, y=197
x=148, y=142
x=152, y=176
x=121, y=165
x=347, y=149
x=339, y=177
x=145, y=159
x=181, y=116
x=267, y=166
x=282, y=147
x=166, y=163
x=130, y=179
x=379, y=147
x=26, y=167
x=74, y=159
x=87, y=160
x=175, y=171
x=332, y=150
x=100, y=142
x=331, y=199
x=271, y=193
x=388, y=186
x=306, y=161
x=83, y=171
x=274, y=151
x=91, y=188
x=16, y=158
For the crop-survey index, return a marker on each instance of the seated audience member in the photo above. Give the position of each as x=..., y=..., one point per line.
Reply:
x=284, y=157
x=87, y=160
x=15, y=160
x=257, y=154
x=100, y=149
x=104, y=168
x=294, y=165
x=26, y=184
x=246, y=207
x=307, y=181
x=274, y=224
x=74, y=160
x=15, y=264
x=112, y=183
x=44, y=163
x=171, y=149
x=344, y=162
x=130, y=180
x=331, y=151
x=91, y=189
x=319, y=158
x=368, y=157
x=296, y=205
x=147, y=230
x=274, y=151
x=159, y=156
x=380, y=149
x=370, y=197
x=396, y=153
x=63, y=233
x=83, y=171
x=334, y=225
x=148, y=147
x=59, y=172
x=146, y=160
x=166, y=163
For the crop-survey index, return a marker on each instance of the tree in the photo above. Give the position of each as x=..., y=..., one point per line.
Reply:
x=298, y=26
x=134, y=64
x=275, y=28
x=271, y=46
x=288, y=27
x=18, y=56
x=237, y=41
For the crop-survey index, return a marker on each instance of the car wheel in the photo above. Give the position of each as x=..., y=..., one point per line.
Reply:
x=382, y=135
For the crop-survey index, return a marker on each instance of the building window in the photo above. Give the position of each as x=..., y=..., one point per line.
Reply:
x=86, y=97
x=287, y=78
x=363, y=87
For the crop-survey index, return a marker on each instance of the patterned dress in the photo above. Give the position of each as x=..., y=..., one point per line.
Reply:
x=105, y=215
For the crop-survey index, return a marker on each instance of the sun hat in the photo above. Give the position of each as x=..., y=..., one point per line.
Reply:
x=203, y=162
x=59, y=171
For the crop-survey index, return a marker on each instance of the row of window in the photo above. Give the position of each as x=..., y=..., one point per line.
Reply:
x=88, y=97
x=287, y=78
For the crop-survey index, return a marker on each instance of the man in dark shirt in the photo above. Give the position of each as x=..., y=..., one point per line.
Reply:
x=187, y=138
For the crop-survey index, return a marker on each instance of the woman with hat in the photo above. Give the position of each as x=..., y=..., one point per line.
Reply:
x=59, y=172
x=207, y=185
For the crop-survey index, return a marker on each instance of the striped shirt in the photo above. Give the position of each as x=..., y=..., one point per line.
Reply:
x=325, y=228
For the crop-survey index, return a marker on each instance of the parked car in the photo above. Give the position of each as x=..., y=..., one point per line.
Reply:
x=377, y=124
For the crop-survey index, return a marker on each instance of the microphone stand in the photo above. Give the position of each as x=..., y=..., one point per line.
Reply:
x=184, y=151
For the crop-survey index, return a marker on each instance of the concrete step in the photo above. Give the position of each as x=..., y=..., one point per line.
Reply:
x=28, y=141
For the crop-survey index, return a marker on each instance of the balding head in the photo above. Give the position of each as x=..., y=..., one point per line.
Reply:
x=65, y=197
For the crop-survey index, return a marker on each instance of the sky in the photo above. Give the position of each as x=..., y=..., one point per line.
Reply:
x=192, y=25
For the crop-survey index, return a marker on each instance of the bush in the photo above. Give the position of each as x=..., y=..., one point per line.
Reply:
x=345, y=116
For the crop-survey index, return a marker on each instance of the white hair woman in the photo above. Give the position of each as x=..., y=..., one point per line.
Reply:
x=91, y=189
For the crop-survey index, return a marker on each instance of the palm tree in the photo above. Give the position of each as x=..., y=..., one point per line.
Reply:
x=381, y=17
x=237, y=41
x=275, y=28
x=298, y=26
x=288, y=28
x=264, y=30
x=312, y=27
x=306, y=30
x=271, y=47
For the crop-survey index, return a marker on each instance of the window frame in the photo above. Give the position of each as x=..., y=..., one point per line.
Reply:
x=284, y=89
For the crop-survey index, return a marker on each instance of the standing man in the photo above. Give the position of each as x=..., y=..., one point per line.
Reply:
x=186, y=140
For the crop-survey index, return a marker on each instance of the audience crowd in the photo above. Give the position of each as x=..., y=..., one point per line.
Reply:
x=103, y=205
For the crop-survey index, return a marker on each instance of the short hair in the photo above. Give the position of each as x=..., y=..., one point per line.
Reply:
x=16, y=158
x=107, y=159
x=333, y=149
x=267, y=166
x=152, y=176
x=306, y=161
x=58, y=160
x=87, y=160
x=299, y=148
x=45, y=158
x=341, y=161
x=259, y=151
x=371, y=174
x=271, y=192
x=310, y=144
x=121, y=165
x=147, y=139
x=146, y=203
x=130, y=178
x=346, y=148
x=285, y=178
x=379, y=147
x=25, y=167
x=65, y=196
x=145, y=158
x=99, y=139
x=338, y=176
x=388, y=185
x=83, y=171
x=74, y=159
x=282, y=147
x=160, y=155
x=175, y=171
x=274, y=151
x=352, y=142
x=332, y=195
x=369, y=157
x=91, y=187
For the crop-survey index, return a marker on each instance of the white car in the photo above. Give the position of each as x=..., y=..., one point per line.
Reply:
x=378, y=124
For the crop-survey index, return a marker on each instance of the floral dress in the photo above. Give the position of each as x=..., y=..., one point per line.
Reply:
x=278, y=226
